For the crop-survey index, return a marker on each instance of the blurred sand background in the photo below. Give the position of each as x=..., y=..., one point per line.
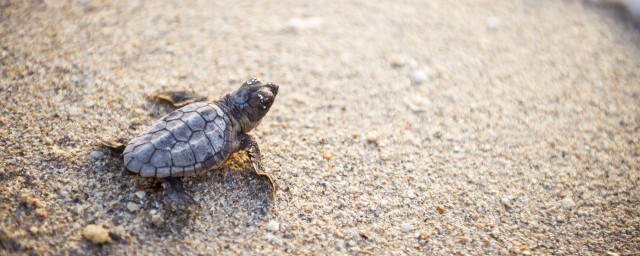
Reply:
x=408, y=127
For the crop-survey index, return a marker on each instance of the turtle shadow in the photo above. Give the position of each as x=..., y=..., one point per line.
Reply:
x=226, y=197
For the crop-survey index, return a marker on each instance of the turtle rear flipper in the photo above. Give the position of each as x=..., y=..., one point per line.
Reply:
x=116, y=147
x=177, y=98
x=175, y=197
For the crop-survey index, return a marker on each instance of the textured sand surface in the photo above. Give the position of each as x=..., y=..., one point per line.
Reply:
x=519, y=134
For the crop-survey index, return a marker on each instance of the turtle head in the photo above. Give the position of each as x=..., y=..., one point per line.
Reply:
x=253, y=100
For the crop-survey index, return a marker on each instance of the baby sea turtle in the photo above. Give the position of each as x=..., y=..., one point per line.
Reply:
x=200, y=137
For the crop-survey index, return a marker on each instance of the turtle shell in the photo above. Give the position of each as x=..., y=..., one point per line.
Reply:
x=187, y=141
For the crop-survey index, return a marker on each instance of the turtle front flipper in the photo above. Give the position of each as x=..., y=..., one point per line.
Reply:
x=175, y=197
x=177, y=98
x=249, y=144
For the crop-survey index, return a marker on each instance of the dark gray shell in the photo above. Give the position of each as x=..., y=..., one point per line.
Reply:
x=188, y=141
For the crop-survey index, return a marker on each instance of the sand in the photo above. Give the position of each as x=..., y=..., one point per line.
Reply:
x=402, y=127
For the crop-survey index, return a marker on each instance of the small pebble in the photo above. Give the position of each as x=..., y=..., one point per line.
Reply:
x=30, y=201
x=440, y=209
x=610, y=253
x=418, y=103
x=493, y=23
x=73, y=111
x=140, y=194
x=117, y=233
x=41, y=212
x=157, y=219
x=373, y=137
x=406, y=227
x=268, y=236
x=298, y=24
x=327, y=156
x=308, y=208
x=136, y=121
x=422, y=75
x=133, y=206
x=96, y=155
x=75, y=78
x=398, y=62
x=567, y=203
x=273, y=226
x=424, y=236
x=418, y=77
x=96, y=234
x=409, y=194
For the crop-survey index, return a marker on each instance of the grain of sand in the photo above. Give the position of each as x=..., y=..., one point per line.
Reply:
x=401, y=127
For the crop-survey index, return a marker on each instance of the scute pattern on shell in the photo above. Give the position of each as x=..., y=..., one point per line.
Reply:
x=185, y=142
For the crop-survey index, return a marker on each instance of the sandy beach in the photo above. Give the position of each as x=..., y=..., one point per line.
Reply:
x=469, y=127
